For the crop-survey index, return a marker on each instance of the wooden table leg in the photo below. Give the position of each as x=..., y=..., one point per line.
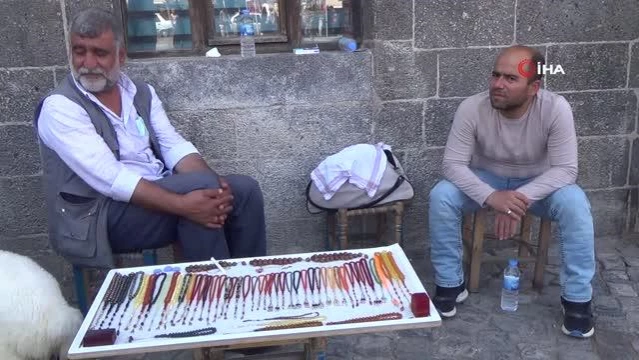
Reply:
x=208, y=354
x=315, y=349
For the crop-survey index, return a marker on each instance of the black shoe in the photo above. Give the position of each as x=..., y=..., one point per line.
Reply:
x=578, y=319
x=446, y=298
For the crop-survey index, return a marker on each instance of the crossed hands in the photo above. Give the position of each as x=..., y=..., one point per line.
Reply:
x=209, y=207
x=510, y=206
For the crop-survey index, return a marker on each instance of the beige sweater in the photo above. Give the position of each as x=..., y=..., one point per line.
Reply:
x=541, y=144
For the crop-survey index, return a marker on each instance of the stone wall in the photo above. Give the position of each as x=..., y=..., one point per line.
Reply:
x=275, y=117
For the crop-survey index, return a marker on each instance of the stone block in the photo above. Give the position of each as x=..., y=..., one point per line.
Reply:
x=74, y=6
x=465, y=72
x=21, y=92
x=603, y=112
x=423, y=170
x=609, y=211
x=296, y=236
x=588, y=66
x=399, y=124
x=415, y=231
x=212, y=132
x=59, y=73
x=33, y=33
x=300, y=131
x=438, y=119
x=19, y=154
x=552, y=21
x=446, y=24
x=596, y=170
x=23, y=210
x=283, y=183
x=401, y=73
x=393, y=20
x=634, y=67
x=634, y=168
x=235, y=82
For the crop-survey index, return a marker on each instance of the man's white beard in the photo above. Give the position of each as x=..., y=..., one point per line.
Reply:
x=97, y=84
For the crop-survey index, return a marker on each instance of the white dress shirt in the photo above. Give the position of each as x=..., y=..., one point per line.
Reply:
x=65, y=127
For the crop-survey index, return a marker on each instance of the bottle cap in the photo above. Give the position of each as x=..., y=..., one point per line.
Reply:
x=513, y=262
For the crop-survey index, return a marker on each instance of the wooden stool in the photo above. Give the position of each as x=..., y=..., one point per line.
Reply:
x=473, y=235
x=339, y=220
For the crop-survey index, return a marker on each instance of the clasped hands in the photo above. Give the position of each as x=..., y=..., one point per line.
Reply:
x=209, y=207
x=510, y=206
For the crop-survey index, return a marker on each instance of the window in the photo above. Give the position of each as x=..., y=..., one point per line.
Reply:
x=156, y=27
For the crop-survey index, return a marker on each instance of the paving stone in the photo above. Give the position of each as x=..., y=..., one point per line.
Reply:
x=615, y=276
x=576, y=355
x=611, y=261
x=535, y=351
x=614, y=345
x=633, y=274
x=373, y=346
x=631, y=261
x=607, y=306
x=622, y=290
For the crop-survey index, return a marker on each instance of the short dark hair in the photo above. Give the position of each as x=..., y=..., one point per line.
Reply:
x=93, y=22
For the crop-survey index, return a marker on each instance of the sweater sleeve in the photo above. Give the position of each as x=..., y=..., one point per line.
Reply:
x=457, y=155
x=562, y=154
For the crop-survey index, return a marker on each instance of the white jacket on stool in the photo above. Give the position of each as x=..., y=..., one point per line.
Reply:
x=36, y=322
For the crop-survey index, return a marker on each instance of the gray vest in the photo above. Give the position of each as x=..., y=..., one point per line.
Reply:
x=77, y=214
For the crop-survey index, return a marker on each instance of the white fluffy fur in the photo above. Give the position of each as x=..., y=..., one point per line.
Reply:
x=35, y=320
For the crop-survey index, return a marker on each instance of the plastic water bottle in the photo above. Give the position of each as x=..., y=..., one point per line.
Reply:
x=347, y=44
x=247, y=34
x=510, y=289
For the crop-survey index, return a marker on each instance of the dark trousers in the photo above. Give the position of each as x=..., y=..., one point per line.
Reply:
x=132, y=228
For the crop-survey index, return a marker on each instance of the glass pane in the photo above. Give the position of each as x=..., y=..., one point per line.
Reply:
x=156, y=25
x=265, y=14
x=325, y=19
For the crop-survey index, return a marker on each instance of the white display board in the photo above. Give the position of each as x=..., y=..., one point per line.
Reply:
x=236, y=325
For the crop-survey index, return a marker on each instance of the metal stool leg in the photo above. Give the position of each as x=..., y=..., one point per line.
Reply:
x=80, y=283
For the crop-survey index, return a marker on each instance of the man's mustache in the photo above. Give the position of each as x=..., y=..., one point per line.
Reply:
x=85, y=71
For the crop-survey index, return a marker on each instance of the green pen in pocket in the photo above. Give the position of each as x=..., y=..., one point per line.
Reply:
x=139, y=123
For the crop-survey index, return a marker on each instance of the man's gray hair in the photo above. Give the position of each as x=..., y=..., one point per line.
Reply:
x=93, y=22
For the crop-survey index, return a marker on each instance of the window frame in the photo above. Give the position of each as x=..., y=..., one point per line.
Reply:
x=202, y=35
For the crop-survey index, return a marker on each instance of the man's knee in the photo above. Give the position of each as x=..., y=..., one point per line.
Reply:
x=243, y=184
x=444, y=193
x=570, y=199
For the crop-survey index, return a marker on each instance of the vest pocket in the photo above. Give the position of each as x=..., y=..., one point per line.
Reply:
x=76, y=221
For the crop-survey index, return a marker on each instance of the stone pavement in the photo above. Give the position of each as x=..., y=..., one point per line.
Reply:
x=482, y=331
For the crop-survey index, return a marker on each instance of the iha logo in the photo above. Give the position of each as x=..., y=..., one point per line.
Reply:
x=527, y=68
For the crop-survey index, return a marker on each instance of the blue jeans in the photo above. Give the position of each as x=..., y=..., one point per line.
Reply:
x=568, y=207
